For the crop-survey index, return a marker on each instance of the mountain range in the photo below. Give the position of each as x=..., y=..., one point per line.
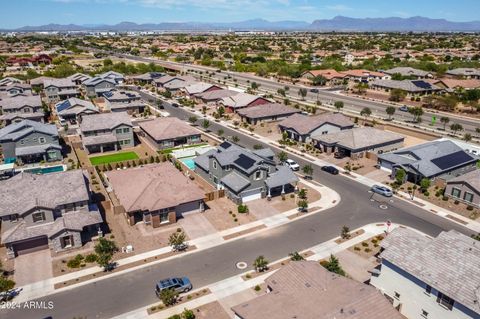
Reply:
x=338, y=23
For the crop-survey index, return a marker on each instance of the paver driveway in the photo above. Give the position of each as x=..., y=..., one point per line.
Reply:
x=33, y=267
x=196, y=225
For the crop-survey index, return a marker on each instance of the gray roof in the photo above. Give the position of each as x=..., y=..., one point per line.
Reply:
x=60, y=83
x=35, y=149
x=79, y=76
x=76, y=106
x=34, y=116
x=120, y=106
x=407, y=85
x=215, y=95
x=25, y=191
x=407, y=71
x=9, y=80
x=168, y=78
x=448, y=263
x=240, y=100
x=359, y=138
x=112, y=75
x=472, y=178
x=267, y=110
x=117, y=95
x=464, y=72
x=104, y=121
x=20, y=101
x=199, y=87
x=204, y=160
x=16, y=131
x=97, y=80
x=420, y=158
x=166, y=128
x=304, y=124
x=177, y=83
x=282, y=176
x=99, y=139
x=235, y=181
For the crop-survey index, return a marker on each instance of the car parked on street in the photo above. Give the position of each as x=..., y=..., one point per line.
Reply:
x=292, y=165
x=330, y=169
x=382, y=190
x=178, y=284
x=404, y=108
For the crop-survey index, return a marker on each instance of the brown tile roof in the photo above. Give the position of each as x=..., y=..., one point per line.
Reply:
x=153, y=187
x=328, y=74
x=304, y=124
x=360, y=73
x=165, y=128
x=454, y=83
x=104, y=121
x=306, y=290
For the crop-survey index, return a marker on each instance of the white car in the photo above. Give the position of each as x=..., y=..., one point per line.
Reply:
x=292, y=165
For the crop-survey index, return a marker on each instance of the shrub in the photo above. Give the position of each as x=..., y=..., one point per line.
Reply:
x=235, y=220
x=379, y=237
x=73, y=263
x=257, y=288
x=444, y=198
x=456, y=202
x=426, y=193
x=364, y=244
x=248, y=276
x=242, y=209
x=91, y=258
x=367, y=250
x=374, y=241
x=188, y=314
x=356, y=248
x=469, y=207
x=179, y=230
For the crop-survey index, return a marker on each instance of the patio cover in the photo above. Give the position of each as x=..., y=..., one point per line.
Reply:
x=282, y=176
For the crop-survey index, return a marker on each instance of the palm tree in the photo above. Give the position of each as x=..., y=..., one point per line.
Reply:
x=192, y=119
x=235, y=139
x=302, y=205
x=390, y=110
x=467, y=137
x=260, y=264
x=295, y=256
x=308, y=170
x=444, y=121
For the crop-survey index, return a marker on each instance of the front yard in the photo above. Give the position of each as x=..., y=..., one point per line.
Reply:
x=112, y=158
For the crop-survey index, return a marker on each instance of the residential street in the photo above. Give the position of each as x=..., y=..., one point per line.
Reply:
x=132, y=290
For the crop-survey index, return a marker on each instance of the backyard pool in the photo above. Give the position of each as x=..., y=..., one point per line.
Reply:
x=45, y=170
x=188, y=161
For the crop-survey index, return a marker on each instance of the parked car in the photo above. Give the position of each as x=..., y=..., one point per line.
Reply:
x=292, y=165
x=382, y=190
x=314, y=90
x=178, y=284
x=330, y=169
x=404, y=108
x=174, y=104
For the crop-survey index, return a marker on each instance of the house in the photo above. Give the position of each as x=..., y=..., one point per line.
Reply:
x=156, y=194
x=412, y=87
x=430, y=277
x=73, y=109
x=124, y=101
x=466, y=73
x=178, y=84
x=8, y=81
x=162, y=81
x=409, y=73
x=97, y=86
x=450, y=85
x=17, y=89
x=37, y=83
x=306, y=290
x=59, y=89
x=47, y=211
x=118, y=78
x=465, y=188
x=106, y=132
x=357, y=142
x=241, y=100
x=18, y=108
x=266, y=112
x=300, y=127
x=245, y=175
x=330, y=75
x=437, y=159
x=166, y=132
x=200, y=87
x=364, y=75
x=212, y=97
x=27, y=61
x=146, y=78
x=79, y=78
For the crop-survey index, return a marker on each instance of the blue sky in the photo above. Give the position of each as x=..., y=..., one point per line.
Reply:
x=16, y=13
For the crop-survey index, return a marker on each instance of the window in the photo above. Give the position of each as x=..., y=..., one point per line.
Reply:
x=120, y=142
x=428, y=289
x=118, y=131
x=126, y=130
x=41, y=140
x=227, y=168
x=22, y=142
x=258, y=175
x=214, y=165
x=215, y=179
x=38, y=217
x=397, y=295
x=126, y=142
x=445, y=301
x=164, y=216
x=456, y=192
x=424, y=314
x=67, y=241
x=468, y=197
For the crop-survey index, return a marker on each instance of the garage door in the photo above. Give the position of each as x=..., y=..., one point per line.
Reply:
x=187, y=208
x=31, y=246
x=251, y=197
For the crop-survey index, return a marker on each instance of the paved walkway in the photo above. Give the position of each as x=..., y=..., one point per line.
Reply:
x=329, y=198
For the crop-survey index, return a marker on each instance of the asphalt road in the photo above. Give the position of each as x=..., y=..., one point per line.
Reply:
x=130, y=291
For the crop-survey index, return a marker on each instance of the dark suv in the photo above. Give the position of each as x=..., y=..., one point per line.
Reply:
x=178, y=284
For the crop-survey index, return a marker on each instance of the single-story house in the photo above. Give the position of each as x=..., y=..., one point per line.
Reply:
x=450, y=85
x=409, y=72
x=465, y=188
x=214, y=96
x=332, y=76
x=166, y=132
x=200, y=87
x=300, y=127
x=73, y=109
x=146, y=78
x=365, y=76
x=162, y=81
x=467, y=73
x=433, y=160
x=240, y=101
x=47, y=211
x=356, y=142
x=156, y=194
x=412, y=87
x=266, y=112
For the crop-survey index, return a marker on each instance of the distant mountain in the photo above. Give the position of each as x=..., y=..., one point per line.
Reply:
x=338, y=23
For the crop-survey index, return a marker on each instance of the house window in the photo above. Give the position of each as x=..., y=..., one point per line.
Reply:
x=397, y=295
x=228, y=168
x=22, y=142
x=456, y=192
x=38, y=217
x=445, y=301
x=214, y=165
x=118, y=131
x=468, y=197
x=215, y=179
x=126, y=130
x=428, y=289
x=164, y=216
x=424, y=314
x=126, y=142
x=258, y=175
x=67, y=241
x=41, y=140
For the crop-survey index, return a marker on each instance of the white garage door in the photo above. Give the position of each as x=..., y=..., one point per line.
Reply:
x=188, y=208
x=251, y=197
x=387, y=166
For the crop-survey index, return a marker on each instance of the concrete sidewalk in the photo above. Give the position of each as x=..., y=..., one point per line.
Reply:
x=329, y=198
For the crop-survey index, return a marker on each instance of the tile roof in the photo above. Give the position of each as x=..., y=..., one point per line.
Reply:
x=60, y=83
x=240, y=100
x=15, y=131
x=304, y=124
x=235, y=181
x=36, y=149
x=282, y=176
x=329, y=74
x=216, y=95
x=464, y=72
x=199, y=87
x=138, y=188
x=104, y=121
x=406, y=85
x=306, y=290
x=165, y=128
x=267, y=110
x=472, y=178
x=20, y=101
x=448, y=263
x=407, y=71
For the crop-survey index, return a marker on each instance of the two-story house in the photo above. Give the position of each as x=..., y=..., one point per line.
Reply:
x=30, y=142
x=245, y=175
x=79, y=78
x=106, y=132
x=46, y=211
x=124, y=101
x=18, y=108
x=96, y=86
x=427, y=277
x=59, y=89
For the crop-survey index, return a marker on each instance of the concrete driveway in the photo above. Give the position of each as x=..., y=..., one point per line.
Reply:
x=196, y=225
x=33, y=267
x=261, y=208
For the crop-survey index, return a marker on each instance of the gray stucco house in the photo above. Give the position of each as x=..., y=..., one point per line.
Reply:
x=245, y=175
x=30, y=142
x=465, y=188
x=59, y=89
x=46, y=211
x=165, y=132
x=96, y=86
x=124, y=101
x=73, y=109
x=106, y=132
x=18, y=108
x=437, y=159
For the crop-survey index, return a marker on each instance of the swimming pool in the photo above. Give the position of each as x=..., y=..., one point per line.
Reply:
x=188, y=161
x=45, y=170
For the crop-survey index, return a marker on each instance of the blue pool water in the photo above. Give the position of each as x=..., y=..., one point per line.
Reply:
x=188, y=161
x=45, y=170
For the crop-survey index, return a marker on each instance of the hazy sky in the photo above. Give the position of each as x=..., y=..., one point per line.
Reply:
x=16, y=13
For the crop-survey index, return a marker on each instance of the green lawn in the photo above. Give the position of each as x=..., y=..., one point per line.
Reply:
x=170, y=150
x=111, y=158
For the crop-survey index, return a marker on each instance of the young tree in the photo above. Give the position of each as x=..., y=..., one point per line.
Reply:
x=467, y=137
x=254, y=85
x=282, y=92
x=206, y=124
x=282, y=156
x=333, y=265
x=345, y=232
x=177, y=240
x=220, y=132
x=390, y=110
x=338, y=105
x=444, y=121
x=295, y=256
x=455, y=127
x=400, y=176
x=397, y=95
x=192, y=119
x=105, y=249
x=319, y=80
x=366, y=112
x=221, y=110
x=302, y=205
x=303, y=93
x=417, y=113
x=168, y=297
x=308, y=170
x=424, y=184
x=260, y=264
x=302, y=193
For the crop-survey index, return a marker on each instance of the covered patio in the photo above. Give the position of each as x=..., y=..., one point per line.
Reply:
x=100, y=143
x=282, y=180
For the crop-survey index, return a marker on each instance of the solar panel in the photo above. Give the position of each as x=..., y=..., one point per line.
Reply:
x=244, y=161
x=422, y=84
x=63, y=106
x=452, y=160
x=108, y=94
x=225, y=145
